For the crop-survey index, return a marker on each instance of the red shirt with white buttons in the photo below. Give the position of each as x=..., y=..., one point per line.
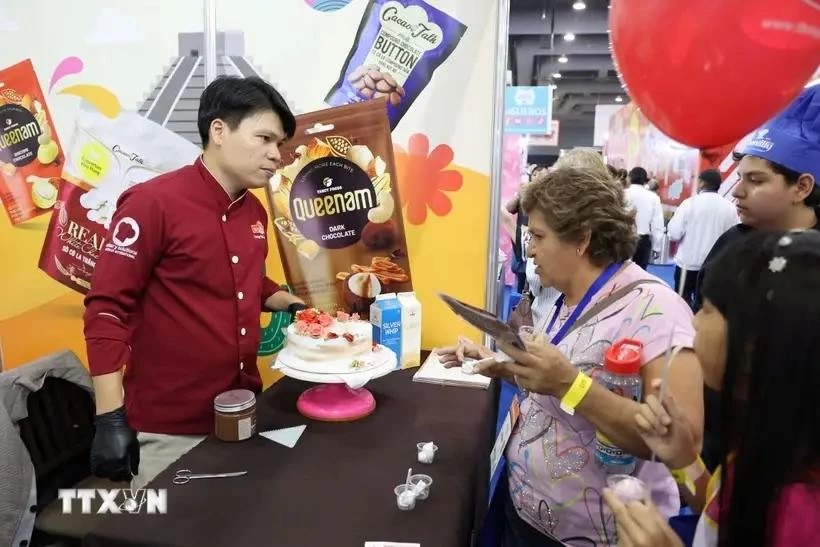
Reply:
x=176, y=297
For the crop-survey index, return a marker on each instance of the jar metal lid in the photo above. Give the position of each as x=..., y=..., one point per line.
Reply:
x=235, y=400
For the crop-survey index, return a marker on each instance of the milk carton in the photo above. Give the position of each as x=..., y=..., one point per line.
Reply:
x=410, y=330
x=385, y=316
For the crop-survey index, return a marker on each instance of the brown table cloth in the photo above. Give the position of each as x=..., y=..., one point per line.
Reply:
x=335, y=487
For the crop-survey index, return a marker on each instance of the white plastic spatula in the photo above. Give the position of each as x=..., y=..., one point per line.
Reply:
x=288, y=436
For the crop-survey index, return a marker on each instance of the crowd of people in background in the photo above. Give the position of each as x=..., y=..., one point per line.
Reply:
x=727, y=424
x=696, y=224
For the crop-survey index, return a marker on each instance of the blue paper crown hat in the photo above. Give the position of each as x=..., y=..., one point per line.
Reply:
x=792, y=138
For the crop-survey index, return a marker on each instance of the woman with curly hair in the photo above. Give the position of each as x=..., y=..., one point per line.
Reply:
x=582, y=238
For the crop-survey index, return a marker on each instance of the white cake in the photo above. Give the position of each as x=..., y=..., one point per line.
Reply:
x=316, y=337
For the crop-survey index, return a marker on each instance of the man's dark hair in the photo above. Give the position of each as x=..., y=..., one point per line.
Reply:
x=711, y=180
x=638, y=175
x=232, y=99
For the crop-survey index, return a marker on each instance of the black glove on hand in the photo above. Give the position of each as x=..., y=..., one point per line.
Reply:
x=115, y=451
x=295, y=307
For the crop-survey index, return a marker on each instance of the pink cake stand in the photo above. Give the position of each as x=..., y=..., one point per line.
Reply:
x=336, y=403
x=333, y=400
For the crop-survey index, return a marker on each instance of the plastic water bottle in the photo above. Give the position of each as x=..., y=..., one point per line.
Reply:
x=622, y=376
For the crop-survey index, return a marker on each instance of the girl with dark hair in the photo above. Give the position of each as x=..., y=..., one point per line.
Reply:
x=756, y=338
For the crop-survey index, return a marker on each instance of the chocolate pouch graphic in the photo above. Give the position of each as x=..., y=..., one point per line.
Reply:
x=106, y=157
x=336, y=209
x=31, y=158
x=398, y=46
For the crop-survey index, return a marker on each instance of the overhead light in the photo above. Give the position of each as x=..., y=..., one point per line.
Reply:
x=569, y=37
x=578, y=6
x=619, y=99
x=557, y=75
x=544, y=14
x=563, y=59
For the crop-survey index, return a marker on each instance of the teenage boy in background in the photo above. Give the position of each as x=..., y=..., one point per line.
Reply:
x=699, y=222
x=777, y=189
x=177, y=292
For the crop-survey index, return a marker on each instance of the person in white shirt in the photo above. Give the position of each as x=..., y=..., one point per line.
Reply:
x=543, y=298
x=648, y=215
x=698, y=223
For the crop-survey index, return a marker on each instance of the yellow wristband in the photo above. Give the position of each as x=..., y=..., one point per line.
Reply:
x=686, y=476
x=576, y=393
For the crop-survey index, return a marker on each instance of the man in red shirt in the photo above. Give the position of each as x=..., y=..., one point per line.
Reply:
x=178, y=289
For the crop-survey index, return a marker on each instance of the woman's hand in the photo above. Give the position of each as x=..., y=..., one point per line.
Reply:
x=640, y=525
x=542, y=368
x=665, y=430
x=453, y=356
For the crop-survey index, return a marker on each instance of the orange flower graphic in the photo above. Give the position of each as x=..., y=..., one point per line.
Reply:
x=423, y=182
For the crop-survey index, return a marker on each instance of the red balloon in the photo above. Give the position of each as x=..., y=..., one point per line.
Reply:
x=708, y=72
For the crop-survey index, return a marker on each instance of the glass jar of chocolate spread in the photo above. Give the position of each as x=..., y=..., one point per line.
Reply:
x=235, y=415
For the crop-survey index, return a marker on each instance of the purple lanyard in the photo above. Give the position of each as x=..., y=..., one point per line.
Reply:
x=602, y=280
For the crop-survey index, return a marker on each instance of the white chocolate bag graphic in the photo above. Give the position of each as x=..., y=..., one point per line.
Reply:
x=105, y=158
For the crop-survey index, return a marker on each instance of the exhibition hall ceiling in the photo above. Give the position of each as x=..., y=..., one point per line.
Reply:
x=552, y=42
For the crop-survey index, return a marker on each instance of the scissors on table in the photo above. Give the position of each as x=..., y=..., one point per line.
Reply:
x=184, y=476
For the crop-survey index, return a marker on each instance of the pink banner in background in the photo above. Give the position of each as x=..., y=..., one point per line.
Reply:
x=514, y=160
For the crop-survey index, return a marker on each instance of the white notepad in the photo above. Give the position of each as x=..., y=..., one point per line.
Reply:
x=434, y=372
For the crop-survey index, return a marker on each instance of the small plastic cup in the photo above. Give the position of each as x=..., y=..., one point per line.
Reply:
x=423, y=491
x=468, y=366
x=527, y=333
x=405, y=497
x=425, y=455
x=628, y=488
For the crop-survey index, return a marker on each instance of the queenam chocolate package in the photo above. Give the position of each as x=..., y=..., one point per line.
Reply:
x=31, y=158
x=336, y=209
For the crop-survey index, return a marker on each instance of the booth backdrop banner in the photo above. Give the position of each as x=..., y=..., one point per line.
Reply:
x=514, y=163
x=634, y=141
x=121, y=58
x=528, y=110
x=550, y=139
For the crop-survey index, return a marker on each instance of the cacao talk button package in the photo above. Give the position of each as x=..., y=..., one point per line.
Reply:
x=336, y=209
x=398, y=46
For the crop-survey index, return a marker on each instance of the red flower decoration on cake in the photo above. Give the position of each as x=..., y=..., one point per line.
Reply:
x=309, y=315
x=315, y=323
